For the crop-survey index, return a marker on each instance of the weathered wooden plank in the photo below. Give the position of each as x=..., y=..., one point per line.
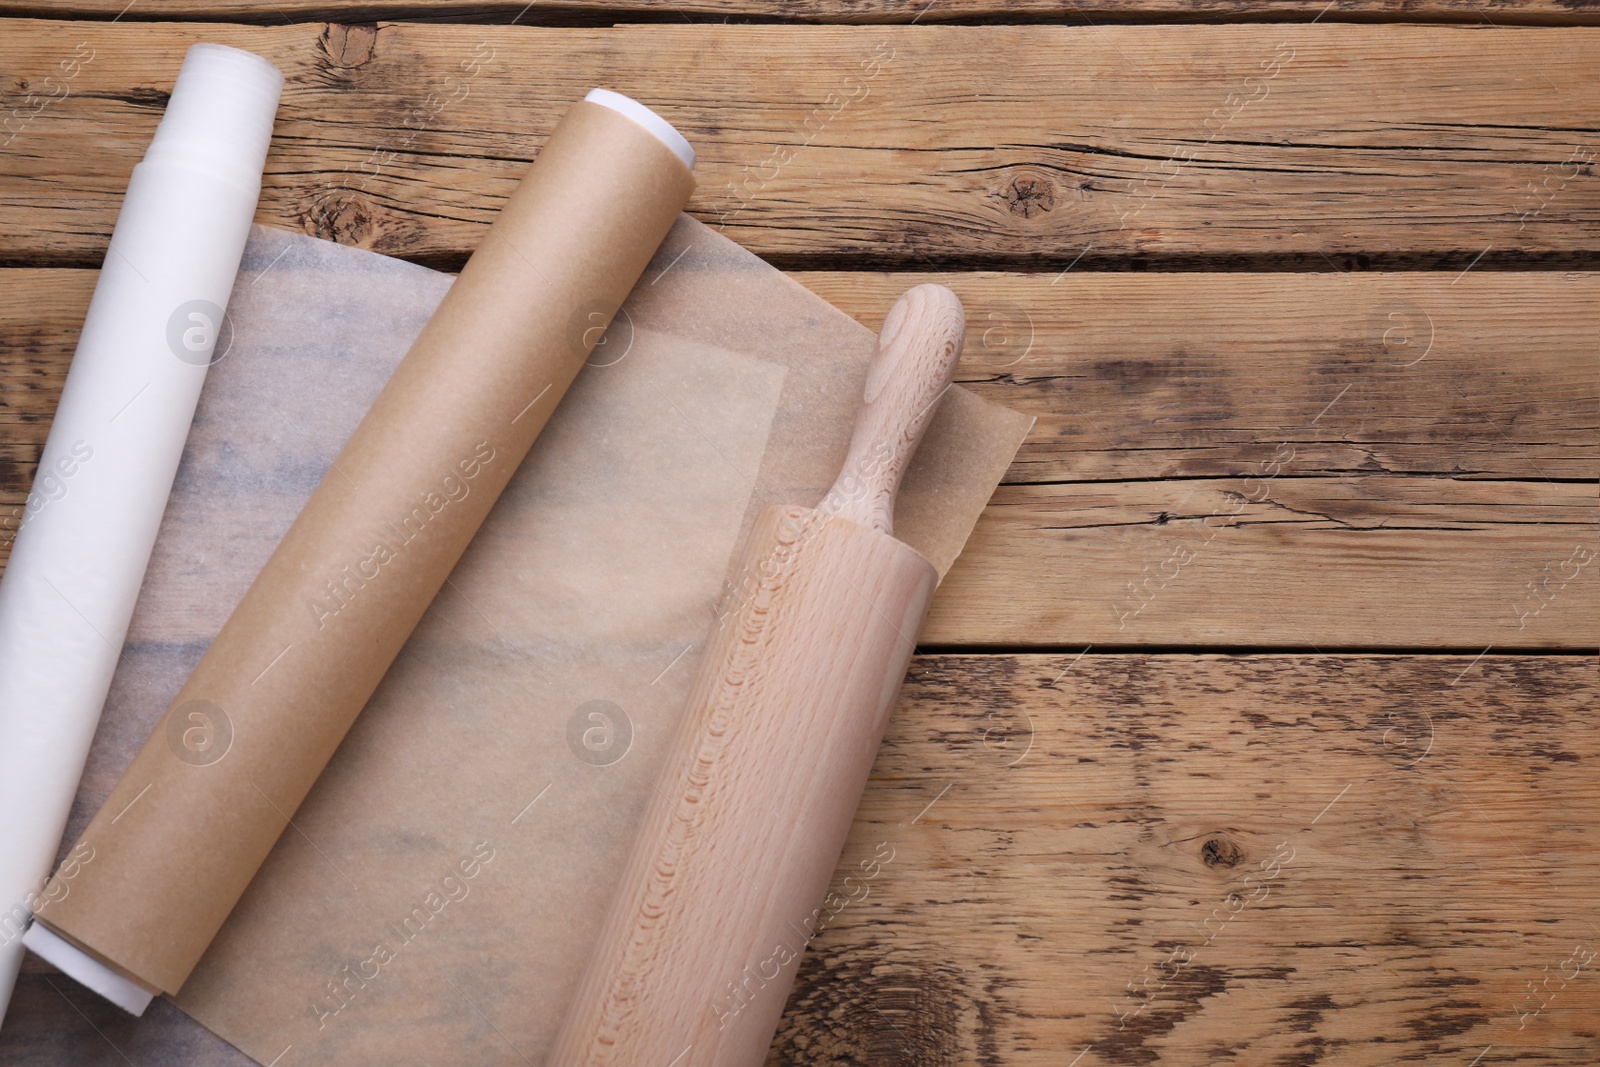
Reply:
x=1220, y=460
x=1496, y=12
x=1134, y=376
x=1147, y=376
x=1193, y=860
x=875, y=144
x=1177, y=860
x=41, y=312
x=1363, y=562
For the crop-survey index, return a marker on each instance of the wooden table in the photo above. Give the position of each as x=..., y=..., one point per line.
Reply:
x=1257, y=724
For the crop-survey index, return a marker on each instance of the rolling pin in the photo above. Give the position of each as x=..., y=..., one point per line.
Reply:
x=726, y=882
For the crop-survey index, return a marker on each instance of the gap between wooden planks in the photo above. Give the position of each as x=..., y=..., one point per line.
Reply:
x=1481, y=12
x=1427, y=145
x=1366, y=460
x=1191, y=860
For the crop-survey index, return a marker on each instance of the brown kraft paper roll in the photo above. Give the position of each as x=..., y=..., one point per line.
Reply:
x=204, y=801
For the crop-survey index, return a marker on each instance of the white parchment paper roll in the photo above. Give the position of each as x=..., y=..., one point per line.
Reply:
x=84, y=537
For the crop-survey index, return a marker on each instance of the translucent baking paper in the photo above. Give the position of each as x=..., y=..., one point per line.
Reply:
x=436, y=894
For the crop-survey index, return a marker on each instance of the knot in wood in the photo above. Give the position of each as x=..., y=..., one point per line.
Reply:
x=347, y=46
x=1221, y=852
x=344, y=216
x=1028, y=194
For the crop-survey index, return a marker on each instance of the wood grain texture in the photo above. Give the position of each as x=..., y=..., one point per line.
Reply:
x=41, y=313
x=1373, y=562
x=1492, y=376
x=728, y=872
x=1133, y=376
x=1497, y=12
x=1219, y=459
x=1062, y=829
x=919, y=344
x=1187, y=860
x=875, y=144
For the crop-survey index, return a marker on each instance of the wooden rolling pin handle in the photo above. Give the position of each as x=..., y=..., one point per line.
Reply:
x=917, y=352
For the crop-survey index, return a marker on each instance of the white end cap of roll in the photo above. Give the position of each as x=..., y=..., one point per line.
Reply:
x=221, y=112
x=663, y=130
x=85, y=969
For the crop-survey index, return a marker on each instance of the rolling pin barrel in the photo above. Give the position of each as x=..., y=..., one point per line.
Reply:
x=724, y=888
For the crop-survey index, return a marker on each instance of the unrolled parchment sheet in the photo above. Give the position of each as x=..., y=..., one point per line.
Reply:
x=441, y=885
